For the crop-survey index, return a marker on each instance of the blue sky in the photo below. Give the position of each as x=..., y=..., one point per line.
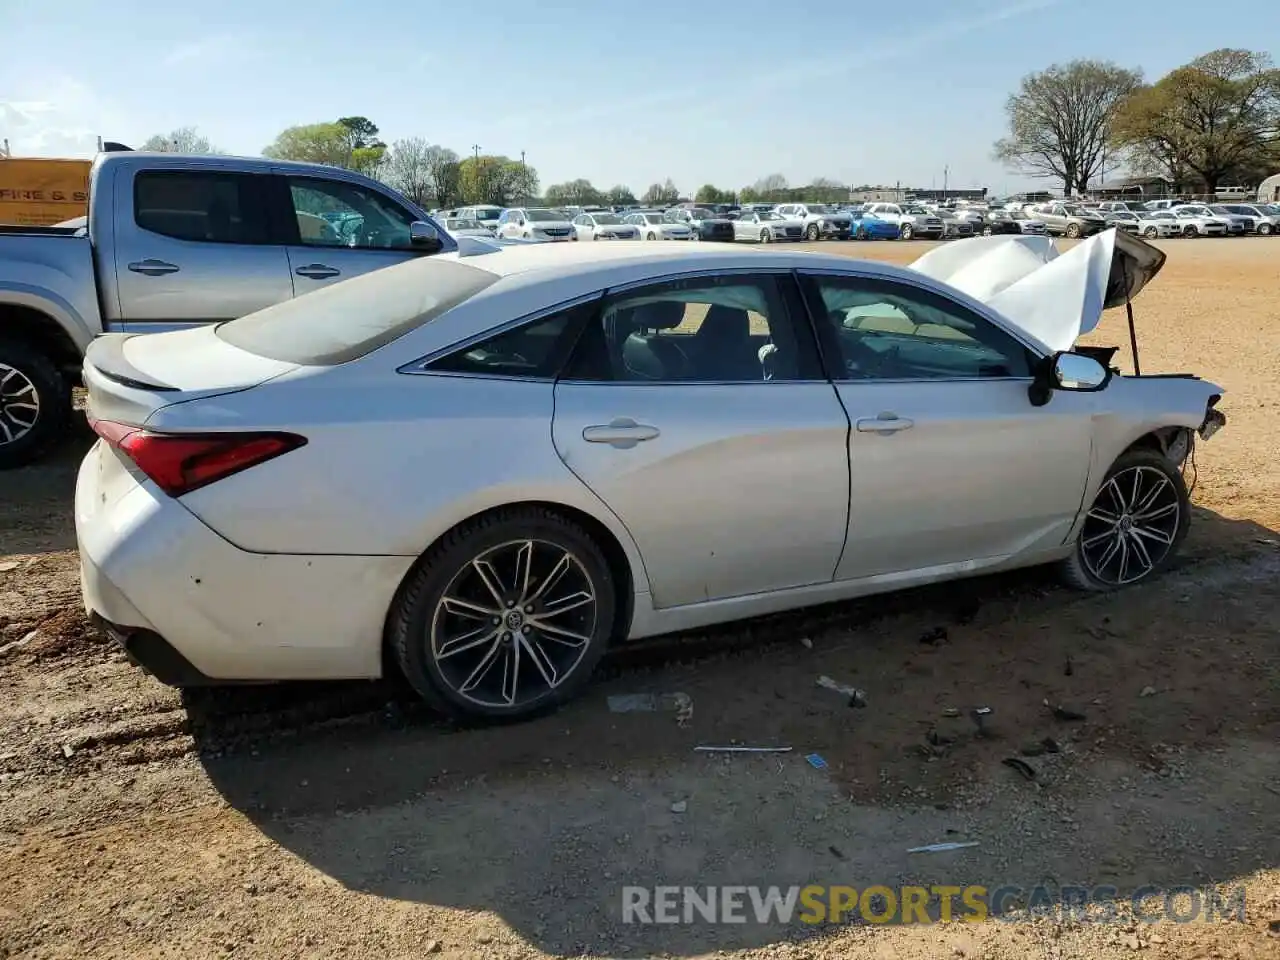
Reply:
x=696, y=90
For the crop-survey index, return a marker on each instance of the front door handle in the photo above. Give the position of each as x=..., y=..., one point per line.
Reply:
x=318, y=271
x=621, y=432
x=885, y=424
x=153, y=268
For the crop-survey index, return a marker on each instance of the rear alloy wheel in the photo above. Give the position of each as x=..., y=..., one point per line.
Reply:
x=766, y=236
x=1073, y=231
x=506, y=617
x=811, y=232
x=906, y=232
x=35, y=404
x=1135, y=525
x=1190, y=232
x=1264, y=229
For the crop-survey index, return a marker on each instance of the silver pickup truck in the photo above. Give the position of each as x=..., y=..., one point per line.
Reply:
x=171, y=241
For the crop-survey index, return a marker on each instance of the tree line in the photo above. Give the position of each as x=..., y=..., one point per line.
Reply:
x=433, y=175
x=1211, y=122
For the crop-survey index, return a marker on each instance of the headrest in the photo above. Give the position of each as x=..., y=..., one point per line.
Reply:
x=657, y=315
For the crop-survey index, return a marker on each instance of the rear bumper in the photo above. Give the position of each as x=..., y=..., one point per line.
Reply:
x=193, y=608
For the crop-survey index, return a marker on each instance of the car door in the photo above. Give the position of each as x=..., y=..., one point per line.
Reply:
x=192, y=246
x=950, y=463
x=343, y=229
x=730, y=484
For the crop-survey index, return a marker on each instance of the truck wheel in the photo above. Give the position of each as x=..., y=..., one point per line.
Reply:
x=35, y=403
x=906, y=232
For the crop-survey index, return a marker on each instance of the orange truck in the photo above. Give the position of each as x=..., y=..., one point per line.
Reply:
x=38, y=192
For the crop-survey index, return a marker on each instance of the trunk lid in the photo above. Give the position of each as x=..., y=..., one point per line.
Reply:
x=131, y=376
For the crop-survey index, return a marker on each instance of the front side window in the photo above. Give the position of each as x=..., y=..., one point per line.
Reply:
x=331, y=213
x=887, y=330
x=703, y=329
x=203, y=206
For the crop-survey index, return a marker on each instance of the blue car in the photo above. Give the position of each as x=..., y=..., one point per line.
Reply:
x=868, y=227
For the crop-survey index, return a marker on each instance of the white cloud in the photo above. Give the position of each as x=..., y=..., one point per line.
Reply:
x=65, y=120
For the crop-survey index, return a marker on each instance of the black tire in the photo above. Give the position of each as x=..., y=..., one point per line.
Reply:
x=1151, y=233
x=25, y=370
x=812, y=233
x=906, y=232
x=1079, y=569
x=410, y=623
x=1264, y=229
x=862, y=233
x=1190, y=233
x=1073, y=231
x=766, y=235
x=651, y=236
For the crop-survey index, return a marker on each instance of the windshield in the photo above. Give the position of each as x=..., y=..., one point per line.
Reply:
x=819, y=208
x=347, y=320
x=607, y=219
x=652, y=217
x=919, y=210
x=1220, y=209
x=543, y=216
x=702, y=214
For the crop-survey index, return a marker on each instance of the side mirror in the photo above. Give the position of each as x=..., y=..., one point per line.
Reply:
x=424, y=235
x=1068, y=371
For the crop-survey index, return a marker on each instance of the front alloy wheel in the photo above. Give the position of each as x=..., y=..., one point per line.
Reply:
x=507, y=617
x=1134, y=526
x=811, y=232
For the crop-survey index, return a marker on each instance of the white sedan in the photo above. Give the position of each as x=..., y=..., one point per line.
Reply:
x=1193, y=223
x=482, y=468
x=767, y=227
x=603, y=226
x=655, y=226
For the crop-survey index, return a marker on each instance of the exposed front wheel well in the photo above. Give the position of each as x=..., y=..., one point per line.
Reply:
x=1172, y=442
x=44, y=334
x=615, y=556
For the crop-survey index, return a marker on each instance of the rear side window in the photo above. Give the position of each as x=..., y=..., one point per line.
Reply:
x=537, y=349
x=205, y=207
x=350, y=319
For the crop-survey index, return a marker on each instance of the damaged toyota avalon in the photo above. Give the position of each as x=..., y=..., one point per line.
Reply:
x=481, y=469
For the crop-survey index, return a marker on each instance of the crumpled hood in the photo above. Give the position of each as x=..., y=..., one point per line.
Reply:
x=1053, y=296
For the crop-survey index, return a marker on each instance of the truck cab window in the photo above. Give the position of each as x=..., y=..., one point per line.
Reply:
x=331, y=213
x=206, y=207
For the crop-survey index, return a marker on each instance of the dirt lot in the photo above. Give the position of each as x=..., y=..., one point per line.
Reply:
x=339, y=820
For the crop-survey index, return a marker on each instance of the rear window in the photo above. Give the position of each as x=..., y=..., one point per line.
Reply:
x=209, y=207
x=350, y=319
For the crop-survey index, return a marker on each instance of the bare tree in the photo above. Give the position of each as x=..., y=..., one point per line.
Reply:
x=1060, y=120
x=182, y=140
x=408, y=168
x=446, y=174
x=661, y=194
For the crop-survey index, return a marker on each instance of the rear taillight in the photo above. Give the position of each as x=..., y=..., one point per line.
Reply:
x=181, y=462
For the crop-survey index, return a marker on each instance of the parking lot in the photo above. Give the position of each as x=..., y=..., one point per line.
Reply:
x=341, y=820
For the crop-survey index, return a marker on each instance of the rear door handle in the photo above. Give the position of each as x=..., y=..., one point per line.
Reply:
x=884, y=424
x=153, y=268
x=621, y=432
x=318, y=271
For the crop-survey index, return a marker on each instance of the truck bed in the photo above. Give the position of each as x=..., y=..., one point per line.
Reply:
x=19, y=230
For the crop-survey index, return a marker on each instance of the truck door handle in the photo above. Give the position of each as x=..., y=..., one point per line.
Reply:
x=318, y=271
x=884, y=424
x=153, y=268
x=621, y=432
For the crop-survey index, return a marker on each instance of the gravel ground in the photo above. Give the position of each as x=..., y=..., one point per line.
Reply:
x=340, y=820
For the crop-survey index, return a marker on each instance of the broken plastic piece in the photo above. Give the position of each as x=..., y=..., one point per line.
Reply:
x=815, y=760
x=942, y=847
x=742, y=749
x=650, y=703
x=857, y=698
x=1017, y=763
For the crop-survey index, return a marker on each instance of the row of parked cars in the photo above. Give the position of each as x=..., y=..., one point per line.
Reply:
x=769, y=223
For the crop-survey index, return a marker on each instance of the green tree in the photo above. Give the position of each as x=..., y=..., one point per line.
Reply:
x=578, y=193
x=1216, y=117
x=661, y=194
x=621, y=196
x=1060, y=120
x=182, y=140
x=367, y=151
x=327, y=143
x=709, y=193
x=497, y=180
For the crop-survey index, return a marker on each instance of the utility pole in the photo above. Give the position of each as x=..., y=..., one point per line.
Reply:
x=946, y=170
x=476, y=148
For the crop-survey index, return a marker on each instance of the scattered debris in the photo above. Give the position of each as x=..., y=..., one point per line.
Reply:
x=1147, y=692
x=1050, y=745
x=980, y=715
x=1067, y=669
x=68, y=751
x=951, y=712
x=806, y=643
x=16, y=645
x=1025, y=769
x=705, y=749
x=650, y=703
x=8, y=565
x=857, y=698
x=431, y=946
x=1066, y=714
x=1038, y=748
x=934, y=637
x=1267, y=541
x=680, y=806
x=938, y=739
x=835, y=852
x=815, y=760
x=942, y=847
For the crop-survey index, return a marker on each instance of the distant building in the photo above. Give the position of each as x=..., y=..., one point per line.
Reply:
x=1269, y=190
x=897, y=194
x=919, y=193
x=1138, y=188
